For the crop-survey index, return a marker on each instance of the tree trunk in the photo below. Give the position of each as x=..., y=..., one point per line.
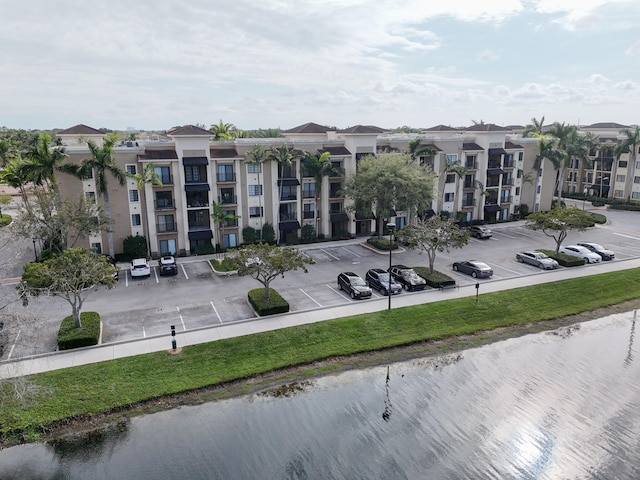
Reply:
x=107, y=213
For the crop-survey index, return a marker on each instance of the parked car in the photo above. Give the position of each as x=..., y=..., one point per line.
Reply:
x=537, y=259
x=480, y=231
x=167, y=265
x=599, y=249
x=112, y=261
x=140, y=267
x=380, y=280
x=474, y=268
x=407, y=277
x=354, y=285
x=582, y=252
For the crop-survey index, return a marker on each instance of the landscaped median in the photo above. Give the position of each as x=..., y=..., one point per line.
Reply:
x=127, y=383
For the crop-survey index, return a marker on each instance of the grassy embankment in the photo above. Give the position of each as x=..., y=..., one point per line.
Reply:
x=121, y=384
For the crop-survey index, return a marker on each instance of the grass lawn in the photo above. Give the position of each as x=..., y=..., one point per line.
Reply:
x=83, y=391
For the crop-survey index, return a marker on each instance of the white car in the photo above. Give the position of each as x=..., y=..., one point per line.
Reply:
x=140, y=267
x=582, y=252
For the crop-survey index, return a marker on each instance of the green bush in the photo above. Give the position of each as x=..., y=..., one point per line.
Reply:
x=435, y=279
x=88, y=334
x=205, y=249
x=267, y=306
x=5, y=220
x=227, y=264
x=268, y=233
x=308, y=233
x=292, y=239
x=625, y=206
x=134, y=247
x=382, y=243
x=599, y=218
x=249, y=235
x=562, y=258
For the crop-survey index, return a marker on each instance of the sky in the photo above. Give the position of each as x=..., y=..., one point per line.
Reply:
x=156, y=64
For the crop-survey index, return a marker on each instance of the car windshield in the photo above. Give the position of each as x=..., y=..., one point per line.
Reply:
x=597, y=246
x=357, y=282
x=481, y=266
x=383, y=277
x=540, y=255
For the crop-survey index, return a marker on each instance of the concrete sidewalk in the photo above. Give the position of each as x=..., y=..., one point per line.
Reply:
x=64, y=359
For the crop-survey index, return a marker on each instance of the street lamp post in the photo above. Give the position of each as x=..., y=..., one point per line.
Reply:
x=584, y=197
x=35, y=252
x=391, y=227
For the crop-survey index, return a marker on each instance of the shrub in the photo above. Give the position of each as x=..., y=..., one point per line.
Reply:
x=435, y=279
x=249, y=234
x=88, y=334
x=5, y=220
x=382, y=243
x=205, y=249
x=134, y=247
x=227, y=264
x=562, y=258
x=292, y=239
x=268, y=233
x=308, y=233
x=599, y=218
x=267, y=306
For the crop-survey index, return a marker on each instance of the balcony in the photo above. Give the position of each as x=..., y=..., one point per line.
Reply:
x=468, y=203
x=226, y=177
x=471, y=165
x=508, y=182
x=165, y=204
x=508, y=164
x=167, y=228
x=288, y=216
x=288, y=197
x=167, y=180
x=228, y=199
x=506, y=199
x=335, y=194
x=308, y=194
x=308, y=215
x=199, y=226
x=469, y=185
x=230, y=223
x=493, y=165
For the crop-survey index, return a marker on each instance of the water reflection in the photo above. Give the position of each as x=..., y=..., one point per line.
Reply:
x=544, y=407
x=629, y=357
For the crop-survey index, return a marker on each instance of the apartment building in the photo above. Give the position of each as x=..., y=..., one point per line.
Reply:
x=484, y=174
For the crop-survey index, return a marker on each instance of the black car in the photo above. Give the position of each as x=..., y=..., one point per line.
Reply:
x=599, y=249
x=474, y=268
x=378, y=279
x=407, y=277
x=353, y=285
x=167, y=265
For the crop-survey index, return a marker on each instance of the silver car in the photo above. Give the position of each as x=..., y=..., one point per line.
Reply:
x=582, y=252
x=537, y=259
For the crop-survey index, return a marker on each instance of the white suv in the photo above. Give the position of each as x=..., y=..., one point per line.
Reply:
x=140, y=267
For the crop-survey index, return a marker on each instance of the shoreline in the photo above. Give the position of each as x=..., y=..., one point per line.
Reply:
x=283, y=382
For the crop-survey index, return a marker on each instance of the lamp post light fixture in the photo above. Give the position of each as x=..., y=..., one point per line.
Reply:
x=584, y=197
x=391, y=227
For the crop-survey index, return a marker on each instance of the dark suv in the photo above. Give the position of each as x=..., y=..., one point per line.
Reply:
x=407, y=277
x=378, y=279
x=167, y=265
x=353, y=285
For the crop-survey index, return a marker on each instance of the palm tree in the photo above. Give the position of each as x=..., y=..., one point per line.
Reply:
x=102, y=163
x=220, y=217
x=258, y=156
x=547, y=149
x=320, y=166
x=44, y=160
x=15, y=176
x=534, y=129
x=148, y=176
x=629, y=144
x=284, y=157
x=417, y=150
x=566, y=136
x=223, y=131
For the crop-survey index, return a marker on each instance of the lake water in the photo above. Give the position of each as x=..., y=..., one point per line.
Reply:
x=557, y=405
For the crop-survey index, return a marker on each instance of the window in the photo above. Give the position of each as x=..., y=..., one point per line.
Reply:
x=517, y=191
x=520, y=172
x=520, y=156
x=225, y=173
x=308, y=211
x=309, y=190
x=470, y=161
x=589, y=177
x=131, y=169
x=255, y=212
x=167, y=247
x=254, y=168
x=90, y=196
x=451, y=178
x=133, y=196
x=229, y=240
x=135, y=220
x=97, y=247
x=620, y=178
x=401, y=222
x=88, y=174
x=166, y=223
x=448, y=197
x=636, y=179
x=193, y=174
x=635, y=195
x=638, y=165
x=618, y=193
x=164, y=174
x=164, y=200
x=255, y=190
x=622, y=164
x=452, y=159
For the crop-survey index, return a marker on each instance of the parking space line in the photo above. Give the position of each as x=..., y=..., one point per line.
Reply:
x=332, y=256
x=626, y=236
x=507, y=269
x=144, y=332
x=340, y=293
x=504, y=234
x=310, y=297
x=181, y=320
x=184, y=272
x=216, y=311
x=155, y=274
x=14, y=344
x=352, y=253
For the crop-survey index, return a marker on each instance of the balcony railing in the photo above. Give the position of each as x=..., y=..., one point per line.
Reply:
x=471, y=165
x=307, y=215
x=493, y=183
x=507, y=182
x=335, y=194
x=226, y=177
x=288, y=197
x=165, y=179
x=506, y=199
x=167, y=227
x=469, y=185
x=508, y=164
x=199, y=226
x=228, y=199
x=167, y=204
x=469, y=203
x=308, y=194
x=493, y=165
x=230, y=223
x=289, y=216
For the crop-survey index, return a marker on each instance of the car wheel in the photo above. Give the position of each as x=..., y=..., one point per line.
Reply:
x=474, y=274
x=406, y=287
x=353, y=295
x=520, y=259
x=455, y=268
x=339, y=286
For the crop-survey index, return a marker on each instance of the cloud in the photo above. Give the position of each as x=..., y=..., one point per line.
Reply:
x=487, y=56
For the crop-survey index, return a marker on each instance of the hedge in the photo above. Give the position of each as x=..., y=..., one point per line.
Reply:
x=267, y=306
x=87, y=335
x=435, y=279
x=563, y=259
